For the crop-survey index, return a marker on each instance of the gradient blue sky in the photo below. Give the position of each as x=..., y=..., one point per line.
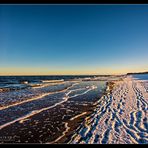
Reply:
x=73, y=39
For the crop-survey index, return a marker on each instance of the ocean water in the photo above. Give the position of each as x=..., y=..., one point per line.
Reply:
x=31, y=104
x=18, y=82
x=141, y=76
x=28, y=95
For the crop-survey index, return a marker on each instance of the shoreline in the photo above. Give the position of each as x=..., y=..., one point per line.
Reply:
x=67, y=137
x=119, y=111
x=114, y=119
x=53, y=121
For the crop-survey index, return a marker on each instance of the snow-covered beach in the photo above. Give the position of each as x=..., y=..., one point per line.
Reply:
x=121, y=116
x=97, y=110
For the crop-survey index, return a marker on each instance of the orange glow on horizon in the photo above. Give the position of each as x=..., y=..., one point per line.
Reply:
x=60, y=71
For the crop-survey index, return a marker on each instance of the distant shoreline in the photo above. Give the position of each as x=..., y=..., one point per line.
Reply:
x=101, y=75
x=137, y=73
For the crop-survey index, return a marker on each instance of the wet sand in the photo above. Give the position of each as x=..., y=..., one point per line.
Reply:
x=53, y=124
x=50, y=125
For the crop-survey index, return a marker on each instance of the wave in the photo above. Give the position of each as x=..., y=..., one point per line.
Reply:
x=52, y=81
x=13, y=87
x=35, y=98
x=34, y=112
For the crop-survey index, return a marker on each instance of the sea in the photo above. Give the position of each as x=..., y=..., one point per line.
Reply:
x=141, y=76
x=37, y=109
x=18, y=82
x=24, y=96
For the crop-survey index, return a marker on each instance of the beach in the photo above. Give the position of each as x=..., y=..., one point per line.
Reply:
x=47, y=113
x=120, y=117
x=73, y=74
x=99, y=110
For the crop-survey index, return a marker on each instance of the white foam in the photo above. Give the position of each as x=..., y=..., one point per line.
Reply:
x=32, y=113
x=52, y=81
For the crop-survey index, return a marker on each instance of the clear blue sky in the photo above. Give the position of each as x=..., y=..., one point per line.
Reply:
x=73, y=39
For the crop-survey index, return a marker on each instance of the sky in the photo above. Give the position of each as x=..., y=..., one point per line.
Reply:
x=73, y=39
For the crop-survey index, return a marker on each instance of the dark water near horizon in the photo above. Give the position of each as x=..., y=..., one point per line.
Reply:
x=141, y=76
x=18, y=81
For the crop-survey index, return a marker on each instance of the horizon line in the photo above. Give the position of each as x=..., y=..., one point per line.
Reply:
x=111, y=74
x=65, y=75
